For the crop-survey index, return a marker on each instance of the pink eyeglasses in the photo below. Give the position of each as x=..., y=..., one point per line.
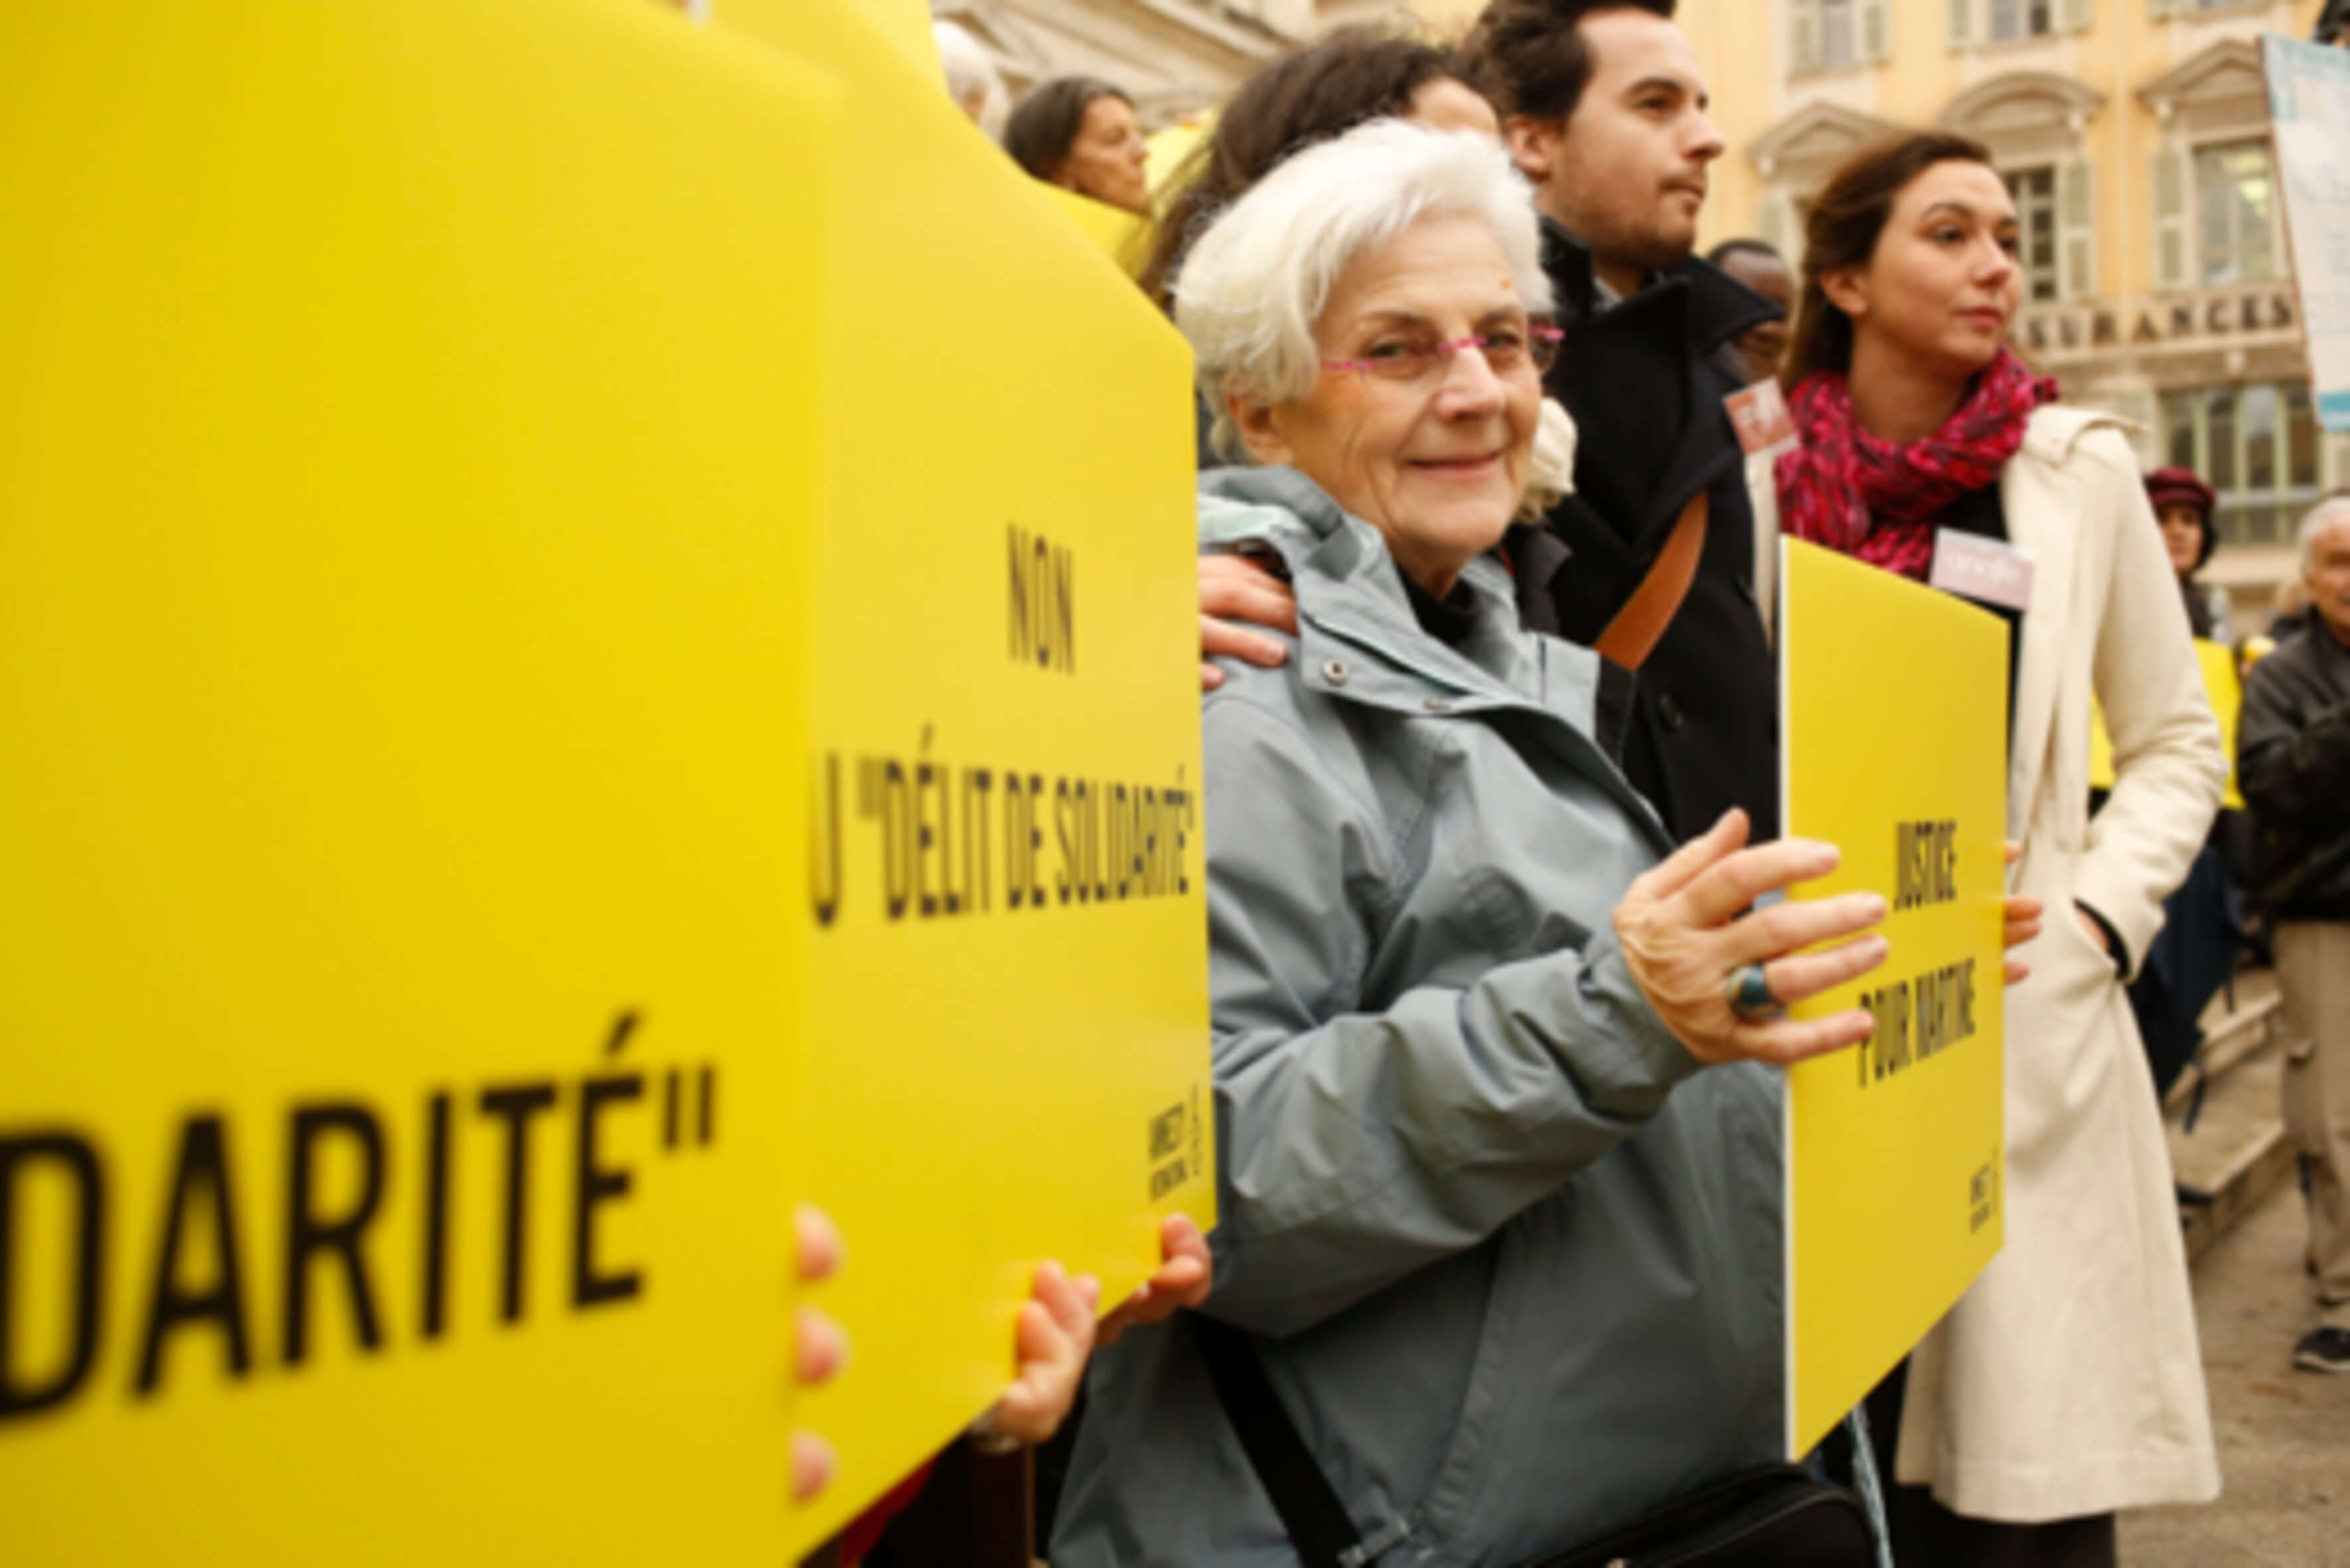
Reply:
x=1418, y=357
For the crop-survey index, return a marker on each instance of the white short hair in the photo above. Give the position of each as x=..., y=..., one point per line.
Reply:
x=970, y=74
x=2333, y=509
x=1254, y=285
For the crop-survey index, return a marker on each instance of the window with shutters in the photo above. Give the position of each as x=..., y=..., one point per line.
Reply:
x=1836, y=42
x=1835, y=35
x=2236, y=238
x=2256, y=445
x=2034, y=190
x=2021, y=19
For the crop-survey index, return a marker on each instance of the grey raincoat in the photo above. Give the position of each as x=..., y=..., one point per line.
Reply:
x=1512, y=1259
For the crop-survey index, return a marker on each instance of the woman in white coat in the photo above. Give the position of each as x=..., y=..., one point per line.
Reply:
x=2066, y=1384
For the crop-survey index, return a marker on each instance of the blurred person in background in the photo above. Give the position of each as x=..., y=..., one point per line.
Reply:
x=1499, y=1244
x=2066, y=1384
x=1353, y=75
x=973, y=80
x=2182, y=505
x=1080, y=133
x=1762, y=268
x=2293, y=762
x=2288, y=612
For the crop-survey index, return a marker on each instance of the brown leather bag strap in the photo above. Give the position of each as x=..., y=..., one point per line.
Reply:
x=1632, y=635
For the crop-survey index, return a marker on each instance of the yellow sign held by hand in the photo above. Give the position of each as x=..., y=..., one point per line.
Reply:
x=397, y=1138
x=1894, y=735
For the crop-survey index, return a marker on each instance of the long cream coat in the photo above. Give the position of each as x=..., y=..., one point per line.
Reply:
x=2068, y=1381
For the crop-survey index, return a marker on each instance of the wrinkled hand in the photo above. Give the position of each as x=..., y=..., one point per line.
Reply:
x=1235, y=593
x=1054, y=1338
x=819, y=1347
x=1683, y=939
x=1185, y=1273
x=2022, y=916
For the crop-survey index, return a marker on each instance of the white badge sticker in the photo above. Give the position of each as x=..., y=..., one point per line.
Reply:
x=1989, y=571
x=1760, y=416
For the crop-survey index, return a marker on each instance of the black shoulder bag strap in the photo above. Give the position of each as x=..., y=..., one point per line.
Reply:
x=1310, y=1508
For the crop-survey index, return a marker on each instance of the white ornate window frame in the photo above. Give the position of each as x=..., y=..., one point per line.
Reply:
x=2039, y=119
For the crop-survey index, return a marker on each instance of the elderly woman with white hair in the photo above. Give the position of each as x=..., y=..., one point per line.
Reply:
x=1499, y=1264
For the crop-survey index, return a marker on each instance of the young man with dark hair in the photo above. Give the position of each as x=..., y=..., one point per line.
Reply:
x=1605, y=113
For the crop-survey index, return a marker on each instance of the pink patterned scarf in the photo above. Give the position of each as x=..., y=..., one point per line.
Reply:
x=1843, y=488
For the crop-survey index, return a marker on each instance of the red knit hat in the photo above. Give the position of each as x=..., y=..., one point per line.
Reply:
x=2179, y=487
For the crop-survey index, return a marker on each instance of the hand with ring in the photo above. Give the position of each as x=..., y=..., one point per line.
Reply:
x=1720, y=976
x=1750, y=995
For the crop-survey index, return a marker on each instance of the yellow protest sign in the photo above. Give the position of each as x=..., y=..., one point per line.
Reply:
x=906, y=24
x=1008, y=1054
x=399, y=530
x=2222, y=685
x=1122, y=236
x=1894, y=730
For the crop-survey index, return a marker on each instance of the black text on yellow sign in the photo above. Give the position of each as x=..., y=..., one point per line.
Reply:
x=1920, y=1016
x=950, y=837
x=209, y=1279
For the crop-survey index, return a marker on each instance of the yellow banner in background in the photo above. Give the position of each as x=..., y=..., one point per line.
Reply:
x=1008, y=1050
x=2225, y=688
x=1895, y=735
x=407, y=444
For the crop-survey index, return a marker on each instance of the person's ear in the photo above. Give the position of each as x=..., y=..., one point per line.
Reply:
x=1533, y=145
x=1848, y=289
x=1260, y=431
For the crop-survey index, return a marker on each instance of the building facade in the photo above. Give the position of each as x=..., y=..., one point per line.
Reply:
x=2134, y=136
x=1173, y=57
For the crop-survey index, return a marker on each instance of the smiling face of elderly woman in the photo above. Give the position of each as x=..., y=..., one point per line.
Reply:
x=1436, y=462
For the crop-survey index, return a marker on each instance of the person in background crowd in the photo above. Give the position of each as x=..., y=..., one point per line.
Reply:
x=1763, y=269
x=972, y=79
x=1353, y=75
x=1604, y=114
x=2288, y=612
x=1080, y=133
x=1498, y=1238
x=2292, y=764
x=2066, y=1383
x=2182, y=504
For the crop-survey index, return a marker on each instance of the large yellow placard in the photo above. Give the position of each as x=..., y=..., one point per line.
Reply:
x=1895, y=737
x=406, y=449
x=1009, y=1052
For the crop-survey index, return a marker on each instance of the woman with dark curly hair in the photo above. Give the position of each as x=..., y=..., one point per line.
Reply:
x=1355, y=74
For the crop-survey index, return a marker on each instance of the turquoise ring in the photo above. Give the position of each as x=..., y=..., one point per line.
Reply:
x=1750, y=995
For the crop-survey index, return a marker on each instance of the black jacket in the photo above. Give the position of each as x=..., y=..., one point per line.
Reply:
x=2292, y=764
x=1645, y=381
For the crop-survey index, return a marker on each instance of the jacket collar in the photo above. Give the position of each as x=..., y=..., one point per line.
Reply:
x=2041, y=495
x=1349, y=591
x=1719, y=306
x=1359, y=640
